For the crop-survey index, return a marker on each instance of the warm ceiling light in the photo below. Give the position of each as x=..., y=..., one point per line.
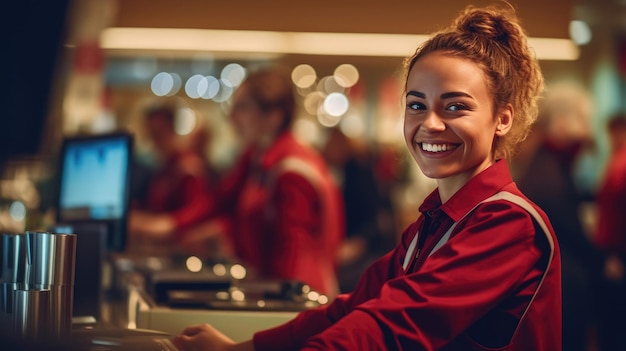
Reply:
x=348, y=44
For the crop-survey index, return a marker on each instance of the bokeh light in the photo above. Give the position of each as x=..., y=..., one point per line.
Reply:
x=224, y=93
x=336, y=104
x=329, y=85
x=346, y=75
x=307, y=130
x=580, y=32
x=194, y=264
x=162, y=83
x=313, y=101
x=185, y=121
x=352, y=125
x=313, y=295
x=192, y=87
x=213, y=88
x=238, y=295
x=238, y=271
x=219, y=269
x=303, y=76
x=233, y=74
x=326, y=119
x=176, y=84
x=17, y=211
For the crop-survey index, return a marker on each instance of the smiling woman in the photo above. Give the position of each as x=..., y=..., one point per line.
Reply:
x=480, y=268
x=450, y=124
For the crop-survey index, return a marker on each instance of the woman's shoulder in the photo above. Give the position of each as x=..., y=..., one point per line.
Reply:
x=510, y=209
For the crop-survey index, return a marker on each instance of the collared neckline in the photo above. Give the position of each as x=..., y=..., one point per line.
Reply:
x=282, y=144
x=491, y=180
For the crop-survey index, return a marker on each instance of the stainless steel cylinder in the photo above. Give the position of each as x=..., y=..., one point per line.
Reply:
x=12, y=262
x=62, y=284
x=50, y=265
x=40, y=260
x=31, y=309
x=12, y=274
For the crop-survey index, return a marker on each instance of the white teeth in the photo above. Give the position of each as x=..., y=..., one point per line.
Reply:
x=437, y=147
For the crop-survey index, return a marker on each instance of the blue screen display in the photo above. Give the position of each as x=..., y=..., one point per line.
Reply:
x=94, y=179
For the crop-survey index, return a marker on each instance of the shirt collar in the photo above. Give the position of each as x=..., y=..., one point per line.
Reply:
x=480, y=187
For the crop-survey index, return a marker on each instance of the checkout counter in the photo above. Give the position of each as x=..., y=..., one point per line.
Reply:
x=168, y=294
x=146, y=300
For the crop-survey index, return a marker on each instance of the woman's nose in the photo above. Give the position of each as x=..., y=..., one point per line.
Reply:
x=433, y=122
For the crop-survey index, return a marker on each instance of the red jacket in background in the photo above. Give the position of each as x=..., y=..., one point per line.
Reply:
x=611, y=206
x=181, y=189
x=470, y=294
x=286, y=215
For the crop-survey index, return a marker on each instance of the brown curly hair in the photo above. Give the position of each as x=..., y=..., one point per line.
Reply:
x=493, y=38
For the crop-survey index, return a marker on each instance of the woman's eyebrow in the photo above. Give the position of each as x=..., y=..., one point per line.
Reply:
x=454, y=94
x=416, y=94
x=449, y=95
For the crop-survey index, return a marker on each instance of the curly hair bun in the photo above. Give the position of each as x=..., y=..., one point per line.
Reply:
x=497, y=24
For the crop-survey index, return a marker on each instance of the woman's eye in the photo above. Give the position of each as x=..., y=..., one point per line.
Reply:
x=456, y=107
x=415, y=106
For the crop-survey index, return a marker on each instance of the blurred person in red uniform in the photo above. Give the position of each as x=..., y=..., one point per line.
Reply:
x=480, y=268
x=610, y=237
x=279, y=204
x=178, y=194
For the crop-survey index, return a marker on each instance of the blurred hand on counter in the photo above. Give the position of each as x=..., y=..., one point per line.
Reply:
x=210, y=235
x=146, y=224
x=206, y=337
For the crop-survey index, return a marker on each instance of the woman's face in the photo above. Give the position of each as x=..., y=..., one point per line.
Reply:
x=449, y=123
x=247, y=118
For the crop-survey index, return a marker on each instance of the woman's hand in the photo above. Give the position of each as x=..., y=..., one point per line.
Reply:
x=206, y=337
x=155, y=226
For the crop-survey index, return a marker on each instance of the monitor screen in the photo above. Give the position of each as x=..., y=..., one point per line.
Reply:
x=94, y=183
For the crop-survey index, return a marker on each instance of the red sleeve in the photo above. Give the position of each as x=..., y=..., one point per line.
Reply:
x=196, y=201
x=492, y=254
x=226, y=192
x=293, y=334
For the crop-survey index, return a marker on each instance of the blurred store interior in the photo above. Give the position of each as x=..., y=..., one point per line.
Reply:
x=77, y=67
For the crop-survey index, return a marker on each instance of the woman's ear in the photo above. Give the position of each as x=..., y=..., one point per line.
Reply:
x=505, y=120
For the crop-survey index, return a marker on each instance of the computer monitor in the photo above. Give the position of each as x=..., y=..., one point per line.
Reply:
x=94, y=182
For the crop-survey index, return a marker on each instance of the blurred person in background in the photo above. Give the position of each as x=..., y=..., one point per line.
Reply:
x=370, y=230
x=545, y=173
x=479, y=269
x=610, y=237
x=279, y=204
x=178, y=193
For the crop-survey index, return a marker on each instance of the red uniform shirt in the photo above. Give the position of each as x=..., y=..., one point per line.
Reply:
x=286, y=214
x=611, y=205
x=181, y=189
x=469, y=294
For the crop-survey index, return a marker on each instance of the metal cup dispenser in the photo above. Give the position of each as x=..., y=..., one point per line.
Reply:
x=36, y=299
